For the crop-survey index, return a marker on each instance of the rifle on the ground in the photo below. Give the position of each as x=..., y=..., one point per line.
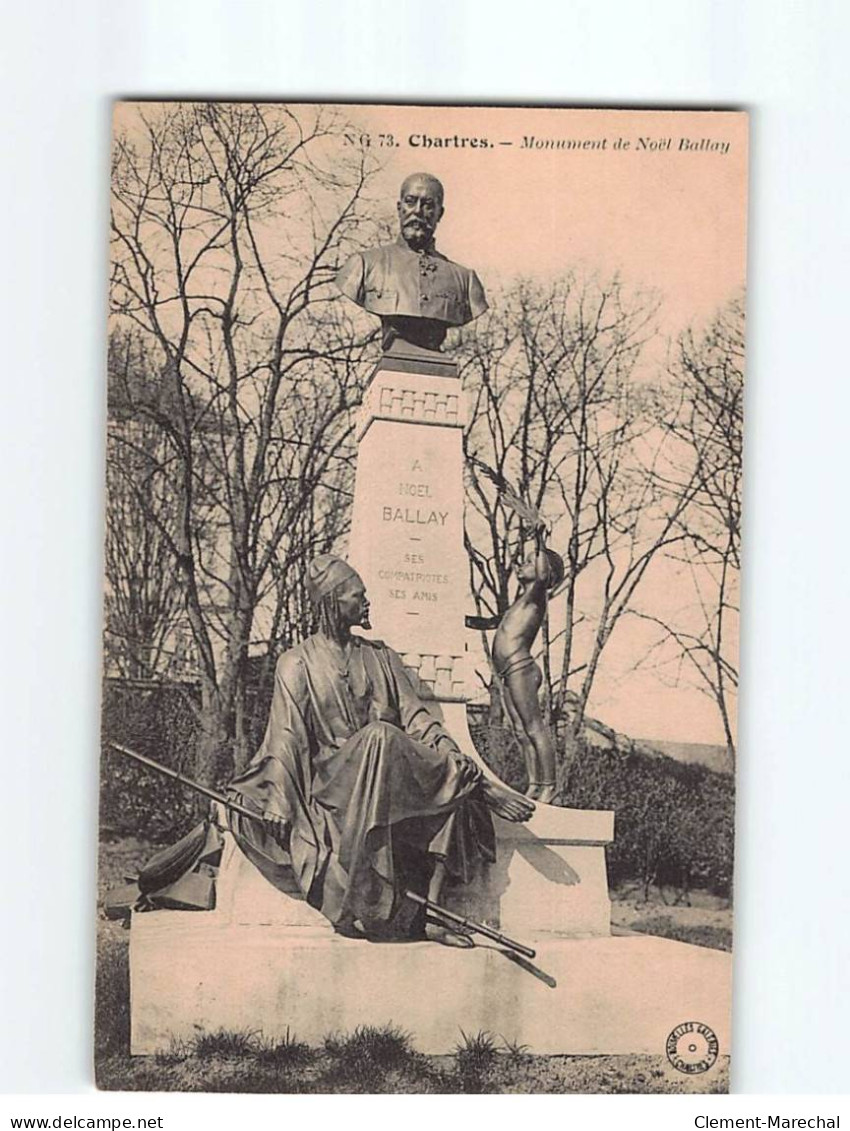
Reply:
x=469, y=926
x=450, y=919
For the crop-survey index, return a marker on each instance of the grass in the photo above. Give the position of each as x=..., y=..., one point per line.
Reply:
x=287, y=1053
x=371, y=1060
x=475, y=1059
x=375, y=1059
x=381, y=1060
x=706, y=921
x=517, y=1053
x=371, y=1047
x=226, y=1043
x=112, y=992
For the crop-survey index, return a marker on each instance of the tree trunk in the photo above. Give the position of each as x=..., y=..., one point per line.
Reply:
x=564, y=768
x=559, y=707
x=212, y=734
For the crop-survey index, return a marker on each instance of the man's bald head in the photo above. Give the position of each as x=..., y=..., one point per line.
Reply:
x=428, y=179
x=420, y=209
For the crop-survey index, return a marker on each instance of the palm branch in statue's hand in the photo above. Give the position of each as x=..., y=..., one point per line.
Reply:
x=528, y=514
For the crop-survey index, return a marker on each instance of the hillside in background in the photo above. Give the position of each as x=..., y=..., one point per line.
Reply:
x=715, y=758
x=706, y=754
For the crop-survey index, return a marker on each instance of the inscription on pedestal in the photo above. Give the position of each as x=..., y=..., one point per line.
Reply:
x=415, y=521
x=407, y=529
x=413, y=578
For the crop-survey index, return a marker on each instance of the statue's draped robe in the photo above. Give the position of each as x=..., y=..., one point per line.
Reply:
x=369, y=786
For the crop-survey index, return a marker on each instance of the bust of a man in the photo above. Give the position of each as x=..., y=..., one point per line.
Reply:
x=417, y=292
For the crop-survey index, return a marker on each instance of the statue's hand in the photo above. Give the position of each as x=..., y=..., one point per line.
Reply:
x=470, y=771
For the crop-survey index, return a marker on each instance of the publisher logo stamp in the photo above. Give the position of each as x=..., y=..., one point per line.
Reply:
x=692, y=1047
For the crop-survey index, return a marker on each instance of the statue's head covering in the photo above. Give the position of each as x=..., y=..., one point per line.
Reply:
x=326, y=573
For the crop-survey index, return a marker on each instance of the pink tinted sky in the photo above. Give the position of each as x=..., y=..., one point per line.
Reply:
x=667, y=219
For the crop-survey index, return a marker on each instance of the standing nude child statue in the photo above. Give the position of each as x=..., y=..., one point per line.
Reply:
x=540, y=573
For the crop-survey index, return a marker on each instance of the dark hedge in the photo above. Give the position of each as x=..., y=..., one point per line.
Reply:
x=157, y=720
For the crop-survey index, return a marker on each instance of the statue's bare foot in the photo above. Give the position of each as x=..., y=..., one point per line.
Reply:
x=436, y=932
x=505, y=802
x=547, y=791
x=531, y=790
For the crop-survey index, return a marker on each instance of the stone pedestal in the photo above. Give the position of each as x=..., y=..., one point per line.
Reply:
x=549, y=879
x=265, y=961
x=585, y=997
x=407, y=543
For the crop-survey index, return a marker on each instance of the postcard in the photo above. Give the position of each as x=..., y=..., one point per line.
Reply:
x=422, y=566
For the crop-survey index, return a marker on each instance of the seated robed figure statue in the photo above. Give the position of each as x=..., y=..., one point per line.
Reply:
x=366, y=795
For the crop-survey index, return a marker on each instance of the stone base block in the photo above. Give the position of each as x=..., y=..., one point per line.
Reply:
x=581, y=996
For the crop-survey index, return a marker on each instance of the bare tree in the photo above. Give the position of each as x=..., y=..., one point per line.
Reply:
x=228, y=224
x=557, y=412
x=142, y=600
x=701, y=409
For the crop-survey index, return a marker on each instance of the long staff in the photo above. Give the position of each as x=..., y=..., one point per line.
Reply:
x=175, y=775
